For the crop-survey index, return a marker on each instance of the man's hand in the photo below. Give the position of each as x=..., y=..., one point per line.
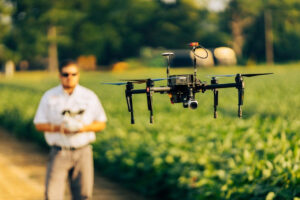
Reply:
x=53, y=128
x=61, y=128
x=72, y=126
x=96, y=126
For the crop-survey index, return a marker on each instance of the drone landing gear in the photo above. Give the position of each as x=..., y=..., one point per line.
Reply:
x=129, y=91
x=241, y=99
x=216, y=97
x=129, y=87
x=149, y=98
x=240, y=86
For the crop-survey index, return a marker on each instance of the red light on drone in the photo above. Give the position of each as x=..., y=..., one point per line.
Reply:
x=194, y=44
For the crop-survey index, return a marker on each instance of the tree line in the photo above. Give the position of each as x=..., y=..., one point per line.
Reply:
x=115, y=30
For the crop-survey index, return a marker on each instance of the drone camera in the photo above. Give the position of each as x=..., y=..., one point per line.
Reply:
x=193, y=104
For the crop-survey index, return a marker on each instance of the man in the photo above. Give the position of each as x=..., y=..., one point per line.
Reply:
x=70, y=114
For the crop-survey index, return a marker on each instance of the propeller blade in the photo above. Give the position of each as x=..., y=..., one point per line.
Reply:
x=159, y=79
x=152, y=79
x=121, y=83
x=260, y=74
x=134, y=80
x=220, y=76
x=232, y=75
x=168, y=54
x=139, y=81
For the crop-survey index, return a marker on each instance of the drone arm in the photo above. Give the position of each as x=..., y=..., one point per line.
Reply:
x=215, y=86
x=154, y=89
x=141, y=91
x=160, y=89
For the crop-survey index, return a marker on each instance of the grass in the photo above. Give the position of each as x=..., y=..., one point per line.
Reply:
x=186, y=154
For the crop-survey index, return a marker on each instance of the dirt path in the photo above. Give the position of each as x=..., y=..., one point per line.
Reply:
x=23, y=168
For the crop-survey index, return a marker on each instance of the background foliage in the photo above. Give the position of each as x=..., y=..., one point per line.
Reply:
x=115, y=30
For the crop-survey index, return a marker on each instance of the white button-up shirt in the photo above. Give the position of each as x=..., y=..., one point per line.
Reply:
x=55, y=101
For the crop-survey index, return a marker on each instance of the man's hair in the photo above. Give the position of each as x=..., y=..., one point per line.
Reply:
x=65, y=63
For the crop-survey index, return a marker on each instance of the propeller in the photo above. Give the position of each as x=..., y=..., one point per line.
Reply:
x=140, y=81
x=143, y=80
x=250, y=75
x=168, y=54
x=245, y=75
x=121, y=83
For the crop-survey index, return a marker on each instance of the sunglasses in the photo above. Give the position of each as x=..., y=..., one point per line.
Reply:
x=68, y=74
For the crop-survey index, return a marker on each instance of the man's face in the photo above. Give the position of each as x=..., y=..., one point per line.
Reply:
x=69, y=76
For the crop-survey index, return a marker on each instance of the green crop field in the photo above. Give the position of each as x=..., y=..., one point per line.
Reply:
x=186, y=154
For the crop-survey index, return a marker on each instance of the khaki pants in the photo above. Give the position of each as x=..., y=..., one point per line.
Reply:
x=76, y=166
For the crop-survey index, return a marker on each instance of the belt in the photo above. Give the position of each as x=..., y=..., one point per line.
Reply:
x=68, y=148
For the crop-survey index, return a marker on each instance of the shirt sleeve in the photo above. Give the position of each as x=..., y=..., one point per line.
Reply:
x=99, y=112
x=41, y=115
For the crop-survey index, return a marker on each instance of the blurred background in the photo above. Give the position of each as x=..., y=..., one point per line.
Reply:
x=36, y=34
x=185, y=154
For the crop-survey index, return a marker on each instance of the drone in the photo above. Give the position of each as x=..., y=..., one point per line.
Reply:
x=182, y=88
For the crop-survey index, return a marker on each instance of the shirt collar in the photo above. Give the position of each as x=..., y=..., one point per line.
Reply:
x=75, y=91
